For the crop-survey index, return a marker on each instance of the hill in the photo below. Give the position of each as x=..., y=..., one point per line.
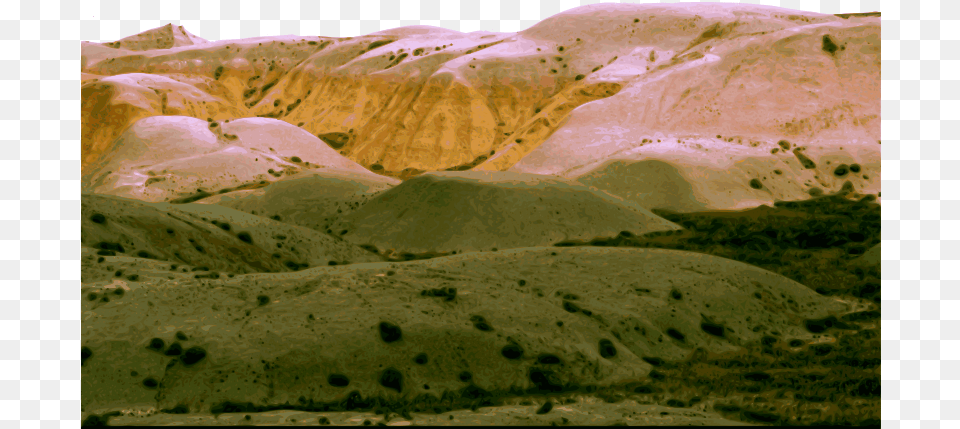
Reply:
x=171, y=158
x=716, y=90
x=218, y=239
x=447, y=212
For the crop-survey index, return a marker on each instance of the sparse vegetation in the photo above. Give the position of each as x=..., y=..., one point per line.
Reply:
x=807, y=241
x=378, y=44
x=829, y=46
x=805, y=161
x=268, y=86
x=396, y=61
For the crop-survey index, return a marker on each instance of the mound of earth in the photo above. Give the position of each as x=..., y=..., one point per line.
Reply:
x=312, y=199
x=671, y=180
x=165, y=37
x=652, y=184
x=209, y=236
x=729, y=183
x=534, y=321
x=445, y=212
x=180, y=158
x=111, y=104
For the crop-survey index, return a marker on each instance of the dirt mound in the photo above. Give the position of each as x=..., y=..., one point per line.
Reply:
x=177, y=158
x=652, y=184
x=442, y=212
x=110, y=104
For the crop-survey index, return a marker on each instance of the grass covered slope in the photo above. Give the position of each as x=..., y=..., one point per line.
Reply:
x=775, y=363
x=447, y=332
x=446, y=212
x=826, y=243
x=312, y=199
x=652, y=184
x=213, y=237
x=817, y=242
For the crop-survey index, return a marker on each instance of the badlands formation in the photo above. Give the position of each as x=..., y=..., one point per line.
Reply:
x=626, y=214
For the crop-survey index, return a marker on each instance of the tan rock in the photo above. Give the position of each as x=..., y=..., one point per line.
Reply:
x=630, y=82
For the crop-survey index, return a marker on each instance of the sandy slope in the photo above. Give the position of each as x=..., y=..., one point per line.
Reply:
x=188, y=235
x=715, y=107
x=484, y=210
x=165, y=37
x=271, y=338
x=163, y=158
x=673, y=176
x=111, y=104
x=632, y=82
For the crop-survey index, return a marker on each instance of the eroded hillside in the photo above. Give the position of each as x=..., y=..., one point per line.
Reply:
x=707, y=88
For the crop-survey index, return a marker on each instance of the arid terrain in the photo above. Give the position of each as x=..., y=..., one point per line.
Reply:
x=626, y=214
